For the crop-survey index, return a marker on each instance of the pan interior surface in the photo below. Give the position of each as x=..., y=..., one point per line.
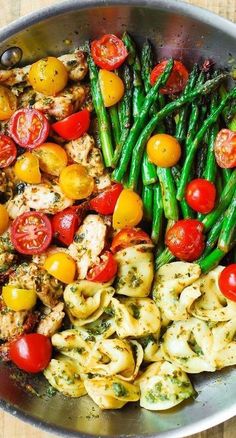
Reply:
x=177, y=30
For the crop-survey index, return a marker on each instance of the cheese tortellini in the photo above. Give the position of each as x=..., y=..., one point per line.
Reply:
x=188, y=344
x=63, y=374
x=135, y=271
x=224, y=343
x=163, y=386
x=111, y=392
x=135, y=317
x=86, y=300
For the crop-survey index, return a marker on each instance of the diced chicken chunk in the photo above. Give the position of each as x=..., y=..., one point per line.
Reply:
x=88, y=243
x=30, y=276
x=46, y=197
x=75, y=64
x=52, y=321
x=83, y=151
x=11, y=323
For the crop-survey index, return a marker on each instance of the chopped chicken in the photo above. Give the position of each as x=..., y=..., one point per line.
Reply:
x=5, y=242
x=39, y=259
x=65, y=103
x=102, y=182
x=11, y=323
x=88, y=243
x=46, y=197
x=51, y=322
x=6, y=261
x=75, y=64
x=30, y=276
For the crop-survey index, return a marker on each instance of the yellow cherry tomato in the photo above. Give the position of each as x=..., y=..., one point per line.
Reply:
x=61, y=266
x=27, y=168
x=52, y=158
x=48, y=76
x=112, y=87
x=75, y=182
x=128, y=210
x=4, y=219
x=8, y=103
x=163, y=150
x=19, y=299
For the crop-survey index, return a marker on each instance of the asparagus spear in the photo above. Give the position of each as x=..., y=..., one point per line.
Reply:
x=103, y=120
x=193, y=148
x=168, y=193
x=139, y=123
x=165, y=257
x=115, y=123
x=228, y=226
x=157, y=214
x=147, y=197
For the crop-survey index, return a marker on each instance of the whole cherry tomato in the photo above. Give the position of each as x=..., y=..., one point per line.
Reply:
x=201, y=195
x=31, y=352
x=105, y=270
x=109, y=52
x=227, y=282
x=185, y=239
x=105, y=202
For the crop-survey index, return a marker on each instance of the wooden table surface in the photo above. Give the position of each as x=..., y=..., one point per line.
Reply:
x=11, y=427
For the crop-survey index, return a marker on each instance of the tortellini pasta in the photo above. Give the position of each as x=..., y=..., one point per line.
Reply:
x=151, y=348
x=169, y=291
x=188, y=344
x=135, y=271
x=115, y=357
x=163, y=385
x=63, y=374
x=111, y=392
x=85, y=301
x=135, y=317
x=211, y=305
x=224, y=343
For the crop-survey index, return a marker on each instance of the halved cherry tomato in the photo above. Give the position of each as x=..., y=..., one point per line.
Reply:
x=227, y=282
x=18, y=299
x=201, y=195
x=61, y=266
x=185, y=239
x=48, y=76
x=163, y=150
x=74, y=126
x=108, y=52
x=28, y=127
x=8, y=103
x=112, y=87
x=75, y=182
x=177, y=80
x=105, y=270
x=128, y=210
x=65, y=223
x=129, y=237
x=8, y=151
x=105, y=202
x=31, y=352
x=52, y=158
x=4, y=219
x=225, y=148
x=31, y=232
x=27, y=168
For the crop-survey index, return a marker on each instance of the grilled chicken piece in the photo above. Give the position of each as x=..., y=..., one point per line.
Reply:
x=65, y=103
x=30, y=276
x=46, y=197
x=11, y=323
x=51, y=322
x=75, y=64
x=88, y=243
x=6, y=261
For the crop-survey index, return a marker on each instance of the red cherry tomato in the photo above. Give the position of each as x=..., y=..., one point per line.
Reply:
x=8, y=151
x=225, y=148
x=74, y=126
x=105, y=202
x=105, y=270
x=201, y=195
x=65, y=223
x=185, y=239
x=129, y=237
x=29, y=128
x=109, y=52
x=177, y=80
x=227, y=282
x=31, y=232
x=31, y=353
